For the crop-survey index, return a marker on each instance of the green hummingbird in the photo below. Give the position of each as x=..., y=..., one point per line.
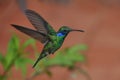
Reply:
x=51, y=39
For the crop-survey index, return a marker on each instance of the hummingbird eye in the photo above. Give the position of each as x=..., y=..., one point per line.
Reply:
x=65, y=30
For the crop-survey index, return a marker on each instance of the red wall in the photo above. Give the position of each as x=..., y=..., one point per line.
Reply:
x=99, y=19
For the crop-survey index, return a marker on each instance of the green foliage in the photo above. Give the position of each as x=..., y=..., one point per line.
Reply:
x=66, y=58
x=16, y=55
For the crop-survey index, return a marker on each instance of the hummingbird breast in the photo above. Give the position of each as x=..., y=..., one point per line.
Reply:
x=55, y=44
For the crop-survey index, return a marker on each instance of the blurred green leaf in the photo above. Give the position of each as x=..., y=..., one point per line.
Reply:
x=21, y=63
x=77, y=48
x=29, y=42
x=83, y=47
x=13, y=45
x=2, y=60
x=67, y=57
x=15, y=55
x=12, y=51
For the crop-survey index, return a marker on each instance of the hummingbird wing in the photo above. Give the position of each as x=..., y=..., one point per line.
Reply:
x=32, y=33
x=38, y=22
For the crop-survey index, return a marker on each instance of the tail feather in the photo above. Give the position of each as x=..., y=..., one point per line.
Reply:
x=42, y=55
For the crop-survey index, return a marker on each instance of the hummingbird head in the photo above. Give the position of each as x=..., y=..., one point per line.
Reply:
x=64, y=30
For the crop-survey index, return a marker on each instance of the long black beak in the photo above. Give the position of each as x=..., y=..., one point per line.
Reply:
x=78, y=30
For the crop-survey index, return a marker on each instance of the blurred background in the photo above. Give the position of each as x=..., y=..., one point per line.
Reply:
x=99, y=18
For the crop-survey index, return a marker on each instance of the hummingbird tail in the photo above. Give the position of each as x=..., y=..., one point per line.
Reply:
x=42, y=55
x=35, y=63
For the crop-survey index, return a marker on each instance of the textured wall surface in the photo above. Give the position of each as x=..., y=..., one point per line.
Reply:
x=99, y=18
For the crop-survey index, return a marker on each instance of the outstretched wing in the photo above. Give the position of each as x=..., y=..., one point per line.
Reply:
x=38, y=22
x=32, y=33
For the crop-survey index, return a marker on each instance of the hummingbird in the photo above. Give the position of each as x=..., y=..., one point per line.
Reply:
x=44, y=33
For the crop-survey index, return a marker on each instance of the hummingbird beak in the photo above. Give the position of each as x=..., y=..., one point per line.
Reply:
x=78, y=30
